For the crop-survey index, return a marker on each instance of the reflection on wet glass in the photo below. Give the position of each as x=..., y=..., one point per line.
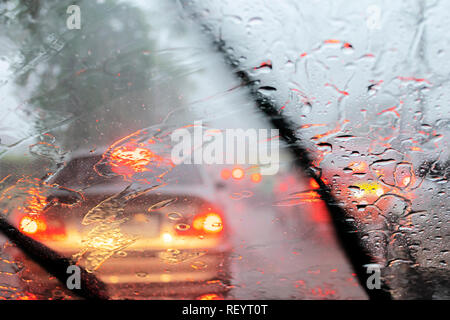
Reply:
x=85, y=150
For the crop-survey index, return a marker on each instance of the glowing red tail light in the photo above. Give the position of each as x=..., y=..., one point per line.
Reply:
x=209, y=223
x=225, y=174
x=31, y=225
x=39, y=227
x=237, y=173
x=28, y=225
x=256, y=177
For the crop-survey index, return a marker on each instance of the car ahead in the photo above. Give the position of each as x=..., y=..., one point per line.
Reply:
x=167, y=242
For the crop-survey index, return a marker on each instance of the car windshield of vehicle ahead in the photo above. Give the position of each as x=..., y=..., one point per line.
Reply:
x=224, y=149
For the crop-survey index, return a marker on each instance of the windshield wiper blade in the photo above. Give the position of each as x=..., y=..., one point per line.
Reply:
x=54, y=263
x=346, y=232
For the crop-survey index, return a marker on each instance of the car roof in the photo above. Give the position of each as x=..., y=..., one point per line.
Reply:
x=205, y=188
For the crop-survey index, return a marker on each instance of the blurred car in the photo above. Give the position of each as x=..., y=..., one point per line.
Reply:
x=172, y=241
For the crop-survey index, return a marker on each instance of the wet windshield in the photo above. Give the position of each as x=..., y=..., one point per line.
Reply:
x=224, y=150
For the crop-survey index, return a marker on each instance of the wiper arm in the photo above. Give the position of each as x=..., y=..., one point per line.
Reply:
x=54, y=263
x=346, y=231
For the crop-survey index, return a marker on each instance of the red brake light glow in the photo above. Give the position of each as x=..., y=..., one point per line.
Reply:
x=256, y=177
x=39, y=227
x=225, y=174
x=237, y=173
x=209, y=223
x=32, y=225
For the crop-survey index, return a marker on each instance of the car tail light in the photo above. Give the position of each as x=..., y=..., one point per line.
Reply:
x=42, y=228
x=225, y=174
x=256, y=177
x=237, y=173
x=30, y=225
x=208, y=223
